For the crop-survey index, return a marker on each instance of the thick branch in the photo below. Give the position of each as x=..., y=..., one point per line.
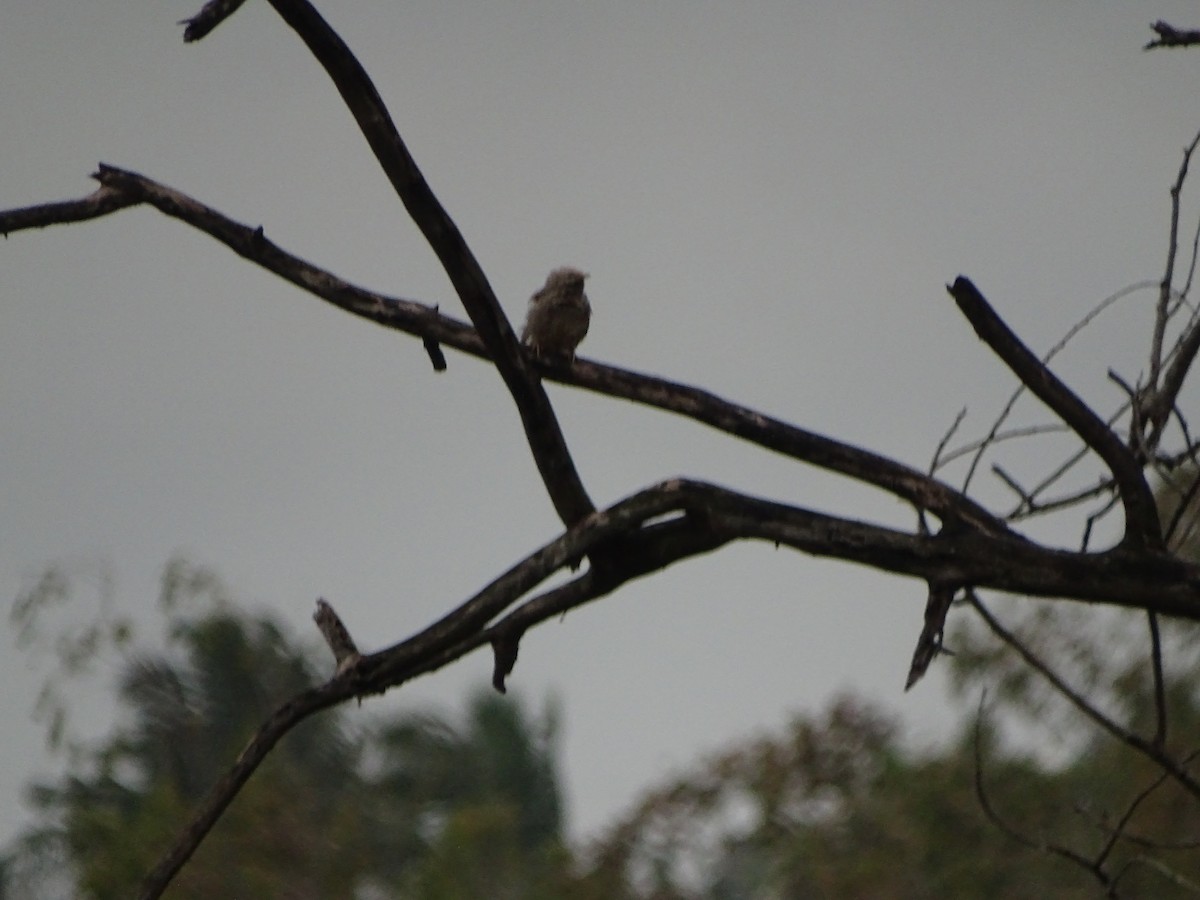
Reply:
x=1160, y=400
x=1141, y=515
x=919, y=489
x=912, y=485
x=453, y=636
x=542, y=430
x=1137, y=579
x=708, y=517
x=657, y=547
x=1150, y=750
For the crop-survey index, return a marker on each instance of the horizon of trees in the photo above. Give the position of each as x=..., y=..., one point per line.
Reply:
x=1041, y=650
x=418, y=804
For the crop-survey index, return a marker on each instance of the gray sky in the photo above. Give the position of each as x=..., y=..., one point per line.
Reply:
x=769, y=197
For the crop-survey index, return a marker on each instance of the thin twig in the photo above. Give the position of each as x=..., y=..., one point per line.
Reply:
x=1183, y=505
x=1072, y=460
x=1085, y=543
x=1162, y=398
x=1007, y=409
x=1065, y=501
x=985, y=803
x=935, y=463
x=1164, y=287
x=1155, y=754
x=1000, y=437
x=101, y=202
x=1120, y=831
x=1160, y=693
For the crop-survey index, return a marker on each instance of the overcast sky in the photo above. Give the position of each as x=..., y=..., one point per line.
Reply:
x=770, y=198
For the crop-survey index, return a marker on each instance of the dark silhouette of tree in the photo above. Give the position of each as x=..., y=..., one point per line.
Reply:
x=958, y=547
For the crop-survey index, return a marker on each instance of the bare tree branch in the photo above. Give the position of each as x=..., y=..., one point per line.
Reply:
x=445, y=641
x=345, y=651
x=1030, y=504
x=710, y=516
x=279, y=723
x=1141, y=515
x=991, y=437
x=1148, y=749
x=546, y=441
x=993, y=816
x=100, y=202
x=210, y=16
x=679, y=519
x=922, y=491
x=929, y=643
x=1168, y=279
x=1161, y=398
x=1169, y=36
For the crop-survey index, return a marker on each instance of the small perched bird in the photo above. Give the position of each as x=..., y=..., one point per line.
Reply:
x=558, y=316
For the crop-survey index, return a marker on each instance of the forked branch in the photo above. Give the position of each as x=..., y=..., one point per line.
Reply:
x=425, y=321
x=546, y=441
x=671, y=521
x=1142, y=527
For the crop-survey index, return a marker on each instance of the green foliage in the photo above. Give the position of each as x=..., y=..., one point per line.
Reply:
x=420, y=805
x=836, y=807
x=400, y=804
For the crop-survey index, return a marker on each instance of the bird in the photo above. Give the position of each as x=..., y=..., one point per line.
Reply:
x=558, y=315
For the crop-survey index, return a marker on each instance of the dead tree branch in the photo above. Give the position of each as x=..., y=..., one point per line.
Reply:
x=546, y=441
x=1141, y=516
x=993, y=436
x=101, y=202
x=677, y=519
x=985, y=803
x=424, y=321
x=1170, y=36
x=929, y=643
x=1160, y=399
x=1153, y=752
x=707, y=518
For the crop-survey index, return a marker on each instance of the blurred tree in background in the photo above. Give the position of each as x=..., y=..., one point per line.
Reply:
x=410, y=805
x=418, y=805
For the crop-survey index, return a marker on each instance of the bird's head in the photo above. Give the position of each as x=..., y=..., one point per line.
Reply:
x=566, y=277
